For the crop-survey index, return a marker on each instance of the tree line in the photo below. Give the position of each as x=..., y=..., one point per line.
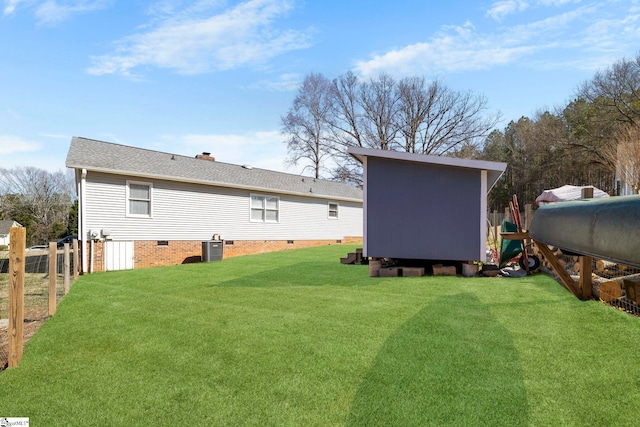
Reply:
x=43, y=202
x=581, y=143
x=592, y=140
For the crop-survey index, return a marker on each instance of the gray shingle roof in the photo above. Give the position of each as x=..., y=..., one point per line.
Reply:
x=124, y=160
x=5, y=226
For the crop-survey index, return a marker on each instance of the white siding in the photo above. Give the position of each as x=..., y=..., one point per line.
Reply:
x=183, y=211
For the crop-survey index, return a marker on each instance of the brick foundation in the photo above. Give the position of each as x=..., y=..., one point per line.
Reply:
x=149, y=253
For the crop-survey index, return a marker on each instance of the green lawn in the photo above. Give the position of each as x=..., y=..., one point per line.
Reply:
x=295, y=339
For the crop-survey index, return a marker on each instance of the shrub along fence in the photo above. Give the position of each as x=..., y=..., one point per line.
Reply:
x=32, y=283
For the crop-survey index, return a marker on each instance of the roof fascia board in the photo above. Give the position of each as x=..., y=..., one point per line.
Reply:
x=217, y=184
x=360, y=153
x=495, y=169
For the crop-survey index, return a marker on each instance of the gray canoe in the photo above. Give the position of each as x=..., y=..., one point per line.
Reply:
x=607, y=228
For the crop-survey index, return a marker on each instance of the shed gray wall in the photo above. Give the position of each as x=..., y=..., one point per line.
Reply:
x=422, y=211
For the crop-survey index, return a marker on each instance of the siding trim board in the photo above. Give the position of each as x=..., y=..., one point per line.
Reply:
x=483, y=214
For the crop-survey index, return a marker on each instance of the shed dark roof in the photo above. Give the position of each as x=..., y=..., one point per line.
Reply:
x=124, y=160
x=494, y=169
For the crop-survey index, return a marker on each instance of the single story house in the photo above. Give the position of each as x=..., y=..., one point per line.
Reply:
x=5, y=231
x=142, y=208
x=423, y=207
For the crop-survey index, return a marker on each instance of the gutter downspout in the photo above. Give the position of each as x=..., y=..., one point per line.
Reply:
x=82, y=232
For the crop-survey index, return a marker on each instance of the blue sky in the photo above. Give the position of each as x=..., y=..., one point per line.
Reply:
x=213, y=75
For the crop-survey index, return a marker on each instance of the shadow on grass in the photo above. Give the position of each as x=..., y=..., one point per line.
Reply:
x=301, y=274
x=451, y=364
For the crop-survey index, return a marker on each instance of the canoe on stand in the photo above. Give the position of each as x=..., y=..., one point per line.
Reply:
x=607, y=228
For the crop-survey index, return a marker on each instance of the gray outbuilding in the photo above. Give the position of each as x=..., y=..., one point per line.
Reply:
x=425, y=207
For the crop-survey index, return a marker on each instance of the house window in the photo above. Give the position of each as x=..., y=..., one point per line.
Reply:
x=265, y=208
x=138, y=199
x=333, y=210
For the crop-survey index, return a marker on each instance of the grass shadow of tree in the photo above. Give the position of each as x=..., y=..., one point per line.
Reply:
x=452, y=363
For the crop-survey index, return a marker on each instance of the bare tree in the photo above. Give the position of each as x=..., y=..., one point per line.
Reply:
x=37, y=197
x=409, y=115
x=306, y=124
x=346, y=115
x=414, y=103
x=454, y=118
x=626, y=156
x=379, y=103
x=617, y=89
x=346, y=124
x=604, y=109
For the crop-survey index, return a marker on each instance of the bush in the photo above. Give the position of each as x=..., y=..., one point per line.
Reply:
x=4, y=248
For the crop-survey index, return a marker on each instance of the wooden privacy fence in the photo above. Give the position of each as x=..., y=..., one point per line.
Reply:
x=31, y=285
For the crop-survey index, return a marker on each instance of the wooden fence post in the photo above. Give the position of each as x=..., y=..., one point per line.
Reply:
x=528, y=215
x=67, y=268
x=17, y=242
x=53, y=276
x=585, y=277
x=507, y=213
x=496, y=227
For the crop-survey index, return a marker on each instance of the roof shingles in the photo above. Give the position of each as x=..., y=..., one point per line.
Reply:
x=124, y=160
x=5, y=226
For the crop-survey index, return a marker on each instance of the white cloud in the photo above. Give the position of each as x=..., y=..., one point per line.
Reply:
x=608, y=35
x=587, y=33
x=10, y=6
x=284, y=83
x=502, y=8
x=557, y=3
x=454, y=48
x=265, y=150
x=190, y=43
x=54, y=11
x=56, y=136
x=13, y=145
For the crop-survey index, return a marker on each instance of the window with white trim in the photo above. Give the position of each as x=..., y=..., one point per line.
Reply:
x=139, y=199
x=265, y=208
x=333, y=210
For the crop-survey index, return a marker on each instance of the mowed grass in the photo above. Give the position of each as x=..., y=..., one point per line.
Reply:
x=297, y=339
